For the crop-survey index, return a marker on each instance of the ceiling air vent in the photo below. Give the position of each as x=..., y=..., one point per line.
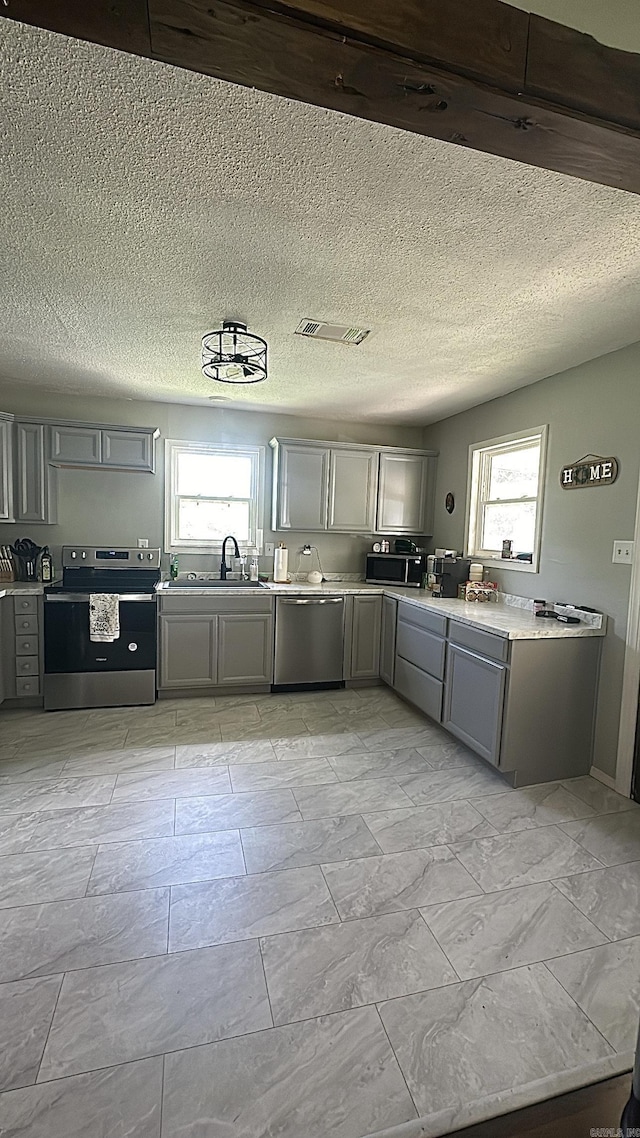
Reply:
x=338, y=333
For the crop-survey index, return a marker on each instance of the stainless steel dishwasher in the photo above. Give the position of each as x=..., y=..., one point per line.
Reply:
x=309, y=640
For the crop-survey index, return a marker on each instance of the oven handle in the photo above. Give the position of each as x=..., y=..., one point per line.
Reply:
x=73, y=598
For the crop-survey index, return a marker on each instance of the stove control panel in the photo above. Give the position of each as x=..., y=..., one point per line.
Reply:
x=114, y=557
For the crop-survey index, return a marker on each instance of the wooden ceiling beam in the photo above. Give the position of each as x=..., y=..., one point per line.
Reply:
x=476, y=73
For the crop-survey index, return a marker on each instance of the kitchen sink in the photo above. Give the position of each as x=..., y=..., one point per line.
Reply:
x=216, y=584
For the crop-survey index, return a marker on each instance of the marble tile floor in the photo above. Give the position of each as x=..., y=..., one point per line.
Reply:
x=287, y=914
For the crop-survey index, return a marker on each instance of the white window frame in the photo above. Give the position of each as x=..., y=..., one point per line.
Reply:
x=174, y=447
x=477, y=496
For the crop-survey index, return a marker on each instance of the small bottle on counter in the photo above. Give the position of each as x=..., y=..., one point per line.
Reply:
x=46, y=566
x=538, y=606
x=254, y=567
x=174, y=567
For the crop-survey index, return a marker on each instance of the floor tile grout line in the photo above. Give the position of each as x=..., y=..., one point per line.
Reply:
x=266, y=982
x=438, y=942
x=162, y=1078
x=584, y=916
x=574, y=1001
x=93, y=865
x=393, y=1052
x=46, y=1042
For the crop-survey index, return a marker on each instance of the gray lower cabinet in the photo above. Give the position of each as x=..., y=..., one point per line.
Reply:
x=6, y=468
x=474, y=700
x=245, y=648
x=420, y=657
x=388, y=639
x=36, y=490
x=188, y=651
x=210, y=641
x=365, y=637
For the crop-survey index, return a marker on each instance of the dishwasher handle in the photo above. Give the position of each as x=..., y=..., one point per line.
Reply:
x=314, y=601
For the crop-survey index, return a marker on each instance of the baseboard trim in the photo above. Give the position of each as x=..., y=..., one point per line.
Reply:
x=602, y=777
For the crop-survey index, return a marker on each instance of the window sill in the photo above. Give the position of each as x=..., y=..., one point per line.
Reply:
x=506, y=564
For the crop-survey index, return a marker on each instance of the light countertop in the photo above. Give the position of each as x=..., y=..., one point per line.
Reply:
x=21, y=588
x=503, y=620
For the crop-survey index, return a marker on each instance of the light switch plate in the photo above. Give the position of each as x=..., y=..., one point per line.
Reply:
x=622, y=552
x=269, y=548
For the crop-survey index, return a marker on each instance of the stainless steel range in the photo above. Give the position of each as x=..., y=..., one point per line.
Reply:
x=80, y=672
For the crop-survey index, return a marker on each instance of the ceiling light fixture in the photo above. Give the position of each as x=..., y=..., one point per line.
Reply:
x=233, y=355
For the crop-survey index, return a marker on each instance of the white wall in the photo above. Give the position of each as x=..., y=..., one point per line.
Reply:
x=109, y=506
x=615, y=23
x=593, y=408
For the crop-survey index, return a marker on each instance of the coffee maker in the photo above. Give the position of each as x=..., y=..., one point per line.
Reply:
x=448, y=573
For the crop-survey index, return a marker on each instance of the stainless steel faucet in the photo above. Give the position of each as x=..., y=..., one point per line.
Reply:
x=236, y=551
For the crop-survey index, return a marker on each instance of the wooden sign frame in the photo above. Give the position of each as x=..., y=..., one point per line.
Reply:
x=592, y=470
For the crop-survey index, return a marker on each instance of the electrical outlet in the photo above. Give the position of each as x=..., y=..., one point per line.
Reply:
x=622, y=552
x=143, y=543
x=269, y=548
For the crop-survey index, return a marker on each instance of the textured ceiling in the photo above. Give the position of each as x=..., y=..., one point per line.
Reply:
x=144, y=204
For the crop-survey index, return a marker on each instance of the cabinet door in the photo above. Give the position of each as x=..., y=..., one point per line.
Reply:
x=129, y=450
x=474, y=701
x=353, y=478
x=388, y=639
x=6, y=470
x=365, y=637
x=76, y=445
x=36, y=498
x=402, y=493
x=303, y=488
x=245, y=648
x=187, y=651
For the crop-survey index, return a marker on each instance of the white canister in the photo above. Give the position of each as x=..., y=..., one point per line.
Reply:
x=281, y=564
x=475, y=571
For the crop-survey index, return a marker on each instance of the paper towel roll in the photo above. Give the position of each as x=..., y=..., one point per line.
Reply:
x=281, y=564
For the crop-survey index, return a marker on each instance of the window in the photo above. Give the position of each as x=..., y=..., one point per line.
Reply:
x=506, y=478
x=211, y=491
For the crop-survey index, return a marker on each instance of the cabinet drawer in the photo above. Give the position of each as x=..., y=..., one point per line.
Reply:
x=485, y=643
x=27, y=685
x=25, y=604
x=419, y=688
x=27, y=666
x=187, y=605
x=422, y=618
x=421, y=648
x=26, y=645
x=26, y=623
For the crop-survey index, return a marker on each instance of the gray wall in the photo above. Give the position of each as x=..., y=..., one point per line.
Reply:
x=594, y=408
x=108, y=506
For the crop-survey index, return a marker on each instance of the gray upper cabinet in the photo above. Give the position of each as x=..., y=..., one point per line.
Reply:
x=128, y=449
x=338, y=487
x=474, y=700
x=301, y=485
x=89, y=444
x=365, y=637
x=353, y=482
x=76, y=445
x=36, y=490
x=6, y=468
x=404, y=493
x=245, y=648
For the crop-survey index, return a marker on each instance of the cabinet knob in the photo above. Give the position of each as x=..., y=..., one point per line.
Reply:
x=25, y=644
x=25, y=604
x=25, y=624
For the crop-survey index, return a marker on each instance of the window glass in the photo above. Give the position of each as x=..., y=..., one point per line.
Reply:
x=212, y=521
x=214, y=475
x=514, y=474
x=515, y=521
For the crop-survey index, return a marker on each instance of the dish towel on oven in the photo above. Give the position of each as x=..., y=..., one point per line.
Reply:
x=104, y=617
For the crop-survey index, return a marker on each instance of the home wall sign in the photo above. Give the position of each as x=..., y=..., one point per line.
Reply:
x=592, y=470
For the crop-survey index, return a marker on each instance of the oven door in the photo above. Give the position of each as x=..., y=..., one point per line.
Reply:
x=67, y=647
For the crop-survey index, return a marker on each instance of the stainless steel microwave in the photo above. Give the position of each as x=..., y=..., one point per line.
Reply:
x=394, y=569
